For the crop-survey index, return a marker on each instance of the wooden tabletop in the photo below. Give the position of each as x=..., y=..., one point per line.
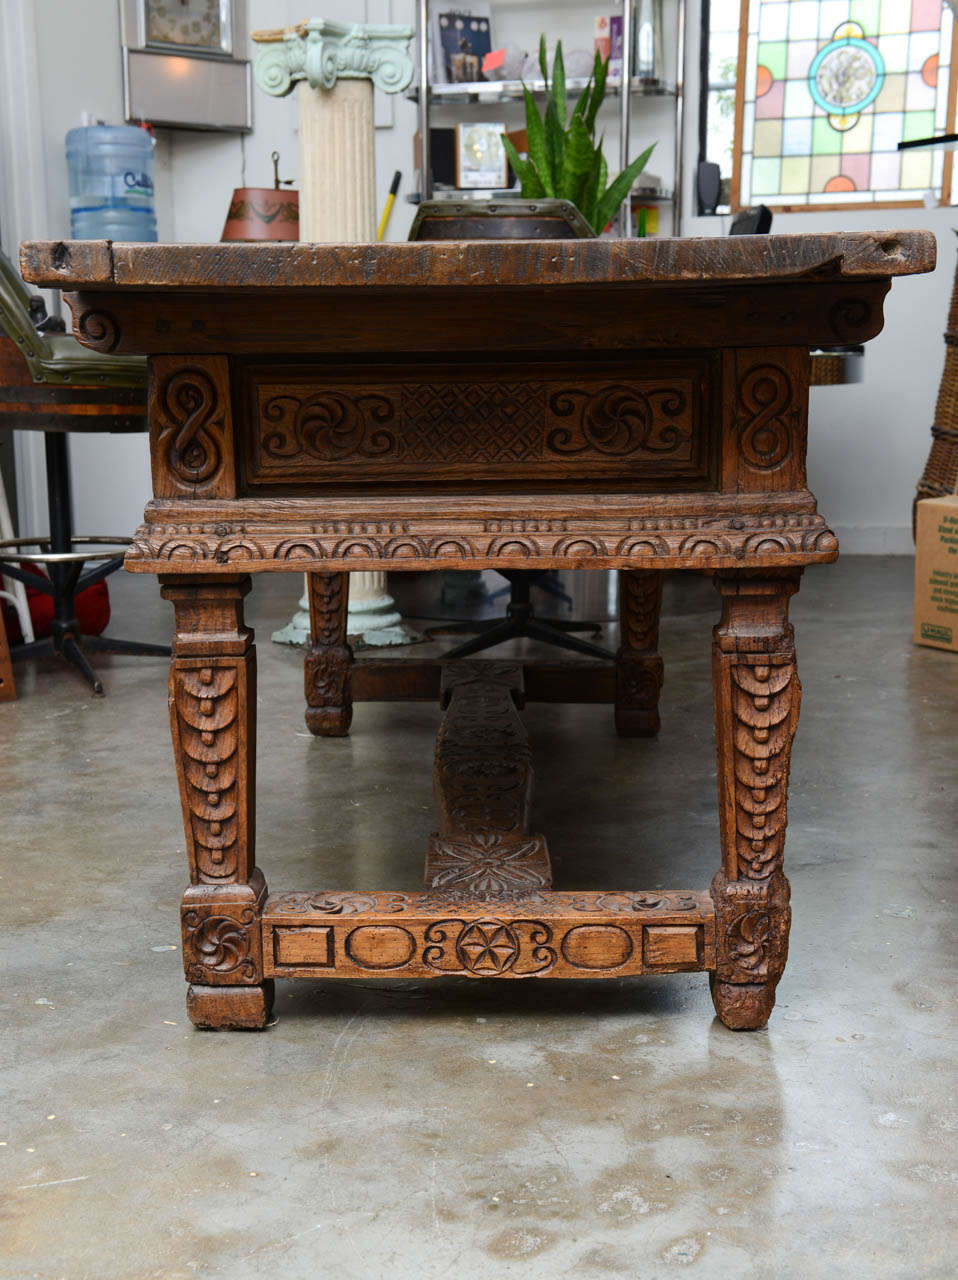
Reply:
x=104, y=265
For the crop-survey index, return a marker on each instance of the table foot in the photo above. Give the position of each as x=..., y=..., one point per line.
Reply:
x=230, y=1008
x=742, y=1007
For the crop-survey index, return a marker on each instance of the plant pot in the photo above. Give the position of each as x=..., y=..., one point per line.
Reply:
x=506, y=218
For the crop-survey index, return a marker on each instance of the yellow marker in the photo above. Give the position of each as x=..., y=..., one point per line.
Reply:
x=388, y=208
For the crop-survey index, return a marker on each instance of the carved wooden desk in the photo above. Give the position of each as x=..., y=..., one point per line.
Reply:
x=631, y=405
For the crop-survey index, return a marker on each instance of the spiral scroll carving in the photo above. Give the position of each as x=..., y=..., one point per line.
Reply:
x=99, y=330
x=188, y=401
x=619, y=420
x=767, y=421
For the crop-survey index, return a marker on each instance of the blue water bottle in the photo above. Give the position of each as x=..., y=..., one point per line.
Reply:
x=111, y=183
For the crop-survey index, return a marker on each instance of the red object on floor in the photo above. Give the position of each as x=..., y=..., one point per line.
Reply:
x=92, y=610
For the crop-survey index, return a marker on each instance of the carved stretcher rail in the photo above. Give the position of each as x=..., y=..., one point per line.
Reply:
x=534, y=935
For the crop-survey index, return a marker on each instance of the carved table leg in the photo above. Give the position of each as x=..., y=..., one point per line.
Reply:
x=639, y=671
x=329, y=699
x=213, y=722
x=757, y=698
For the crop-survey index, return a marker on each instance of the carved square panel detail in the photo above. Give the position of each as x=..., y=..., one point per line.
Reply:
x=673, y=947
x=310, y=946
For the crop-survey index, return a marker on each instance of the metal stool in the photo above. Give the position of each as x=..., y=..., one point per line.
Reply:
x=66, y=577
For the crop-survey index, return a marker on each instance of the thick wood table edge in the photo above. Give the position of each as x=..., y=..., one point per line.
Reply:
x=428, y=265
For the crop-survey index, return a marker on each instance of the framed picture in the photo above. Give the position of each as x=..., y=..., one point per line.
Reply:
x=480, y=156
x=200, y=25
x=461, y=39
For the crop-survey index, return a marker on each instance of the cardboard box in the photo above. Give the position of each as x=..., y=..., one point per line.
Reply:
x=936, y=573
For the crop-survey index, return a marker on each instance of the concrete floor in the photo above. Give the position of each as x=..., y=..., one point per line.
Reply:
x=512, y=1129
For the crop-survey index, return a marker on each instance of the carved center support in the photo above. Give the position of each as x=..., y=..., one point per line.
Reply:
x=337, y=65
x=757, y=700
x=213, y=723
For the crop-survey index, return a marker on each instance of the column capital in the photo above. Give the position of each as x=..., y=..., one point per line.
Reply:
x=321, y=52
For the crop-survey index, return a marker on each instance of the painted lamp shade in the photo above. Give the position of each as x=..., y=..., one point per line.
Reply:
x=262, y=213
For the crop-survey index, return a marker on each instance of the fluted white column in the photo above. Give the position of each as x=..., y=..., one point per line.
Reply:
x=336, y=66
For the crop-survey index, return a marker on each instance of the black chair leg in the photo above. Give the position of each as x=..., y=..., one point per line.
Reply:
x=77, y=658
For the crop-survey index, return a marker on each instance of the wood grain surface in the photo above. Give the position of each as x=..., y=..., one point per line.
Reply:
x=475, y=264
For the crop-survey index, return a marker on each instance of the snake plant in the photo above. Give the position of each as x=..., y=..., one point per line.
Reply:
x=564, y=159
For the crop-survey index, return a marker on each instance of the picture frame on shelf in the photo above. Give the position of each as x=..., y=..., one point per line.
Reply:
x=480, y=156
x=461, y=38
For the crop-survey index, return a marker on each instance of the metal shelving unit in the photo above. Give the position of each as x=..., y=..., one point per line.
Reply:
x=427, y=94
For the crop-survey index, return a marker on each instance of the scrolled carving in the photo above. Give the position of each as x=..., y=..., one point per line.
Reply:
x=328, y=426
x=767, y=419
x=99, y=330
x=320, y=52
x=618, y=420
x=189, y=439
x=850, y=318
x=663, y=542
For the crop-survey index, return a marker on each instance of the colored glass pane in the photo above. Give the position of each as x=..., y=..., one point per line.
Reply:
x=831, y=88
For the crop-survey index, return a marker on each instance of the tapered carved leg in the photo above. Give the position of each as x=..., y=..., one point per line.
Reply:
x=757, y=699
x=329, y=700
x=639, y=671
x=213, y=722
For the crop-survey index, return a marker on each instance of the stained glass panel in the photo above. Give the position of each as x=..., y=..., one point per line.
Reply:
x=831, y=89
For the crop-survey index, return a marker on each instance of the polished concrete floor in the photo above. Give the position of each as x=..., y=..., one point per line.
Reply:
x=472, y=1128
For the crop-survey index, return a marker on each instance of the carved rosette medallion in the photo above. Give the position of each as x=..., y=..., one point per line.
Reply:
x=751, y=925
x=487, y=865
x=220, y=948
x=489, y=948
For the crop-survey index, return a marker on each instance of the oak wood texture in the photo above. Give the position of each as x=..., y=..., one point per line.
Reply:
x=639, y=405
x=475, y=264
x=545, y=935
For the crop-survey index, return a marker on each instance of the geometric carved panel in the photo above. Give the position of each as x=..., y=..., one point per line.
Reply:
x=634, y=420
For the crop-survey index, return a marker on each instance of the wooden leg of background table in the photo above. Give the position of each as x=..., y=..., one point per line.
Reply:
x=213, y=723
x=757, y=698
x=329, y=701
x=638, y=667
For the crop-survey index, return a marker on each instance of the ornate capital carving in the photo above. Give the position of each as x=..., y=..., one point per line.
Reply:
x=322, y=52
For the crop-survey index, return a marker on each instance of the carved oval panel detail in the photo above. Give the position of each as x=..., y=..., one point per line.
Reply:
x=380, y=946
x=597, y=946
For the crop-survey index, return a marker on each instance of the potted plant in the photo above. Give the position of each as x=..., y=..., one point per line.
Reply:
x=565, y=190
x=565, y=161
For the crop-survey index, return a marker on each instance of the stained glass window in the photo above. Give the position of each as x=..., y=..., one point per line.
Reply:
x=830, y=89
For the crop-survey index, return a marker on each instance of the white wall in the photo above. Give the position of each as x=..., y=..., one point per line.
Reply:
x=868, y=440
